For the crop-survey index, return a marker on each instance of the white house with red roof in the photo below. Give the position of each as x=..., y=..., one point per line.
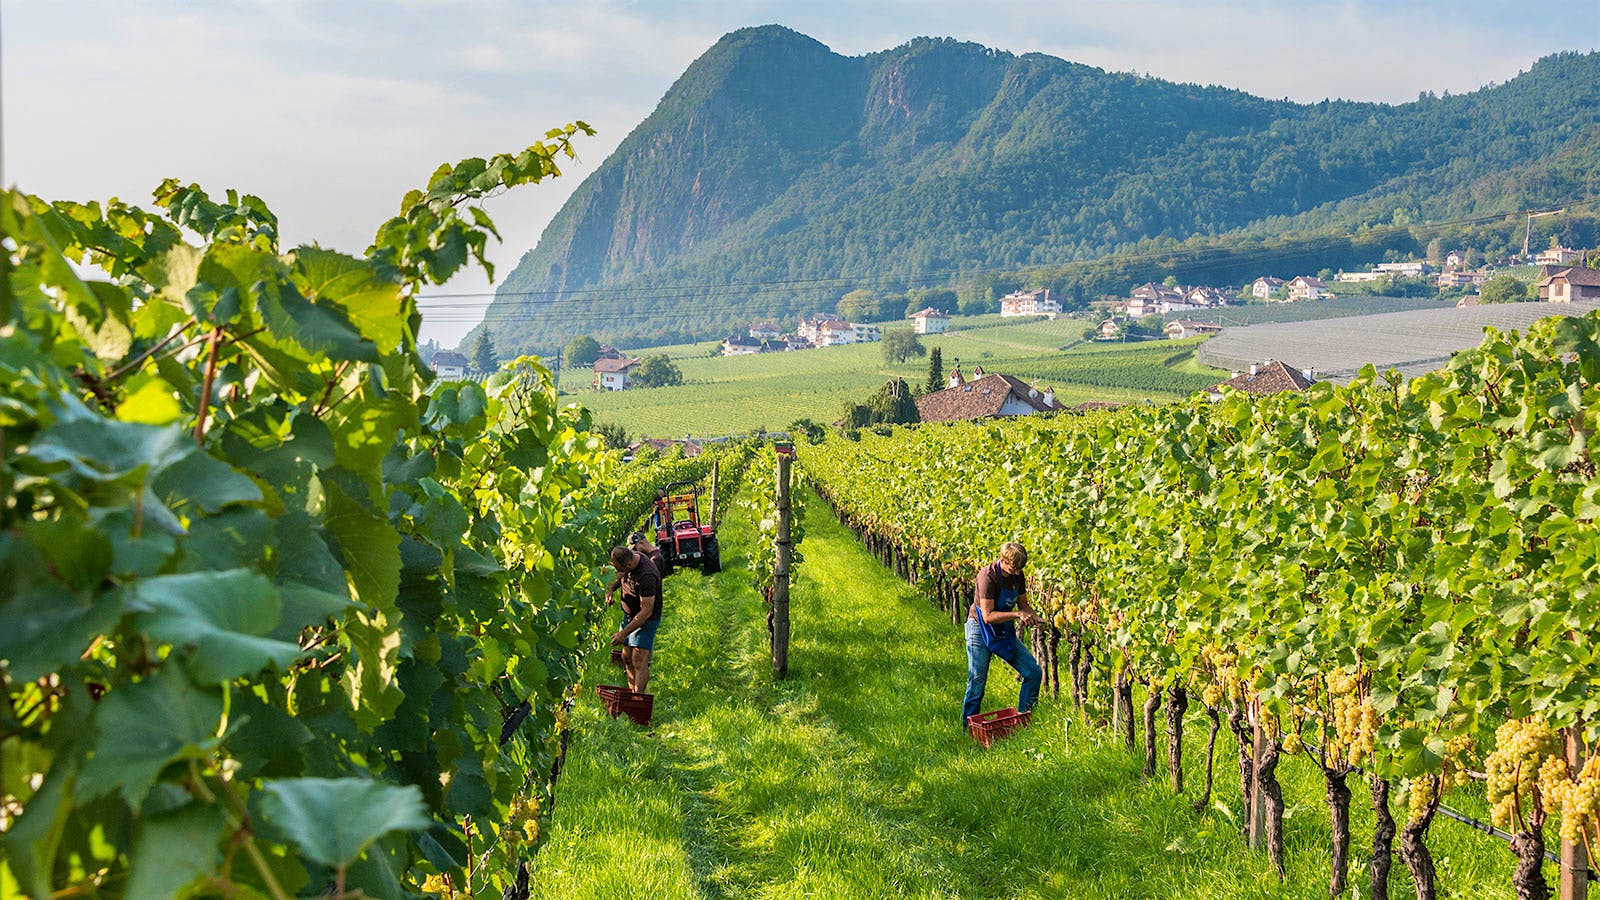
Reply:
x=1304, y=287
x=929, y=321
x=1030, y=303
x=612, y=374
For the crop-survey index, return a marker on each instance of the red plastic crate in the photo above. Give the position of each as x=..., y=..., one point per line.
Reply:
x=989, y=727
x=616, y=656
x=621, y=701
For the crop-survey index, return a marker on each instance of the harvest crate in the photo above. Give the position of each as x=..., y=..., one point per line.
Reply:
x=616, y=656
x=621, y=701
x=989, y=727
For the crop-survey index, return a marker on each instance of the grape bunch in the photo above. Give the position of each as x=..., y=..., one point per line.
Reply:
x=1355, y=724
x=1579, y=798
x=1224, y=682
x=1523, y=748
x=522, y=823
x=1420, y=794
x=1424, y=791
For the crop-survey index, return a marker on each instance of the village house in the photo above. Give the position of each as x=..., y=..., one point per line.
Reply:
x=1412, y=269
x=834, y=333
x=765, y=331
x=1358, y=277
x=1150, y=299
x=1455, y=259
x=1567, y=285
x=929, y=321
x=1030, y=303
x=1108, y=330
x=1178, y=329
x=985, y=397
x=1270, y=377
x=449, y=364
x=613, y=374
x=1304, y=287
x=1456, y=279
x=1264, y=287
x=1206, y=297
x=740, y=345
x=866, y=334
x=1558, y=256
x=811, y=326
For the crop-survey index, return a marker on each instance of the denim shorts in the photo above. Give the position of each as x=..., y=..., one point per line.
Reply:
x=645, y=637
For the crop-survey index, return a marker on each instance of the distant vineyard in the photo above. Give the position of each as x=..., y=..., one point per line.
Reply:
x=1139, y=367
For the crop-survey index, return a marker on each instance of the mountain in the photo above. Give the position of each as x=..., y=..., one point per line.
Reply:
x=777, y=175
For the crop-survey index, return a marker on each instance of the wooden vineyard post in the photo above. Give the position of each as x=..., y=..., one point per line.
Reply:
x=1574, y=858
x=1256, y=814
x=713, y=516
x=780, y=587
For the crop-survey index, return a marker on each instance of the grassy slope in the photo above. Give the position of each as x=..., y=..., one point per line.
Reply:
x=737, y=394
x=723, y=395
x=850, y=779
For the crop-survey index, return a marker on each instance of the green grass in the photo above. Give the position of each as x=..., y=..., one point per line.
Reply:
x=723, y=395
x=850, y=779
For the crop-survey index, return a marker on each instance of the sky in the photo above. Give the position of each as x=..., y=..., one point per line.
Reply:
x=330, y=110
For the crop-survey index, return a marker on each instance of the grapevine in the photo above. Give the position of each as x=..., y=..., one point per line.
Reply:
x=1396, y=564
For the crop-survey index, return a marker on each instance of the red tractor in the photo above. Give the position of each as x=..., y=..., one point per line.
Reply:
x=679, y=534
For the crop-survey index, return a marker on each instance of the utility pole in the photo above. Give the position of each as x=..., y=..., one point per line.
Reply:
x=780, y=587
x=1527, y=231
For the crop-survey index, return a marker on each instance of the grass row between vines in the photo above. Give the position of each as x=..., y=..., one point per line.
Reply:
x=851, y=778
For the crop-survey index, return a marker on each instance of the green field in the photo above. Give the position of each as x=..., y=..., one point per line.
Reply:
x=723, y=395
x=851, y=779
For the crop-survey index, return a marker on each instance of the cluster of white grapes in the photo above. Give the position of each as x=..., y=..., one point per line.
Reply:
x=1523, y=749
x=1424, y=790
x=1355, y=724
x=1225, y=683
x=1579, y=798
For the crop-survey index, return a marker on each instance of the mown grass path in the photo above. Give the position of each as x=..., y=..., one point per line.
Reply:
x=852, y=779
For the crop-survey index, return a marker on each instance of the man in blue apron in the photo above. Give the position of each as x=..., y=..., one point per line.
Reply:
x=1000, y=603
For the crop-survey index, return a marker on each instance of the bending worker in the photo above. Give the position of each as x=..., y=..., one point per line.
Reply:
x=999, y=604
x=639, y=582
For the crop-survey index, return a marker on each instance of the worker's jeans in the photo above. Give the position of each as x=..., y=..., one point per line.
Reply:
x=1017, y=656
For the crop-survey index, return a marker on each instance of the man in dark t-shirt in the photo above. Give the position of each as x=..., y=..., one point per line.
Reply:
x=999, y=603
x=639, y=582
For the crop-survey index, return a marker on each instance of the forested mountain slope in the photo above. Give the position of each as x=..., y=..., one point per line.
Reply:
x=775, y=175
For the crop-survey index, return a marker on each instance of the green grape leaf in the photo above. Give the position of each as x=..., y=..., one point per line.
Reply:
x=334, y=820
x=206, y=482
x=153, y=403
x=223, y=617
x=172, y=851
x=142, y=727
x=105, y=450
x=372, y=302
x=370, y=545
x=265, y=739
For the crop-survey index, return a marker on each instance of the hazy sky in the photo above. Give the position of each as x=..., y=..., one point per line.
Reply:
x=331, y=110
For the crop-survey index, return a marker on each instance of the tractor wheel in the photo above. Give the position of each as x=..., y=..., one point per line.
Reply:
x=666, y=565
x=711, y=563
